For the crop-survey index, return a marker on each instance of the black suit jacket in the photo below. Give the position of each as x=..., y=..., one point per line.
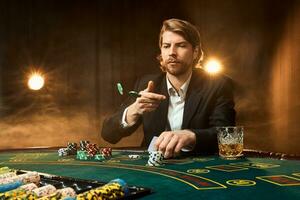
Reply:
x=209, y=103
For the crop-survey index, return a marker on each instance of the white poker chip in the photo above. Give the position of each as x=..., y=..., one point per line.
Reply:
x=155, y=158
x=134, y=156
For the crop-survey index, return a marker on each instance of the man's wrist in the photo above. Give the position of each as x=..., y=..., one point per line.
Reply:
x=132, y=115
x=192, y=139
x=124, y=121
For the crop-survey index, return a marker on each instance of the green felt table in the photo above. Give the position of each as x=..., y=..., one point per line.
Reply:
x=199, y=177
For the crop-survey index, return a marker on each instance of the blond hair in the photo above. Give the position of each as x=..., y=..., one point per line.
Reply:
x=188, y=31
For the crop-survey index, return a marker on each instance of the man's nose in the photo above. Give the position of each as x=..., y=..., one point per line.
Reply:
x=173, y=50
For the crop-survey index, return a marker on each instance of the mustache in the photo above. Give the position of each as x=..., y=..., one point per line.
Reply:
x=173, y=60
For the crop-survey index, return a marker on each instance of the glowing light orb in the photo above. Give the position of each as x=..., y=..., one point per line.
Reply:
x=36, y=81
x=213, y=66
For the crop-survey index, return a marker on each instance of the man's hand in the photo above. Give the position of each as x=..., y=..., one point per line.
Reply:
x=171, y=142
x=147, y=102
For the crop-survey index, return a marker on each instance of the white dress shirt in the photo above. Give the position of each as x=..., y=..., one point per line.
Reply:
x=176, y=106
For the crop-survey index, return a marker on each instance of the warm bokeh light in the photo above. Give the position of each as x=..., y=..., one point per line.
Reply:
x=36, y=81
x=213, y=66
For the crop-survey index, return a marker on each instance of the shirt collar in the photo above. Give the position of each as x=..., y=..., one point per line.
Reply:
x=183, y=89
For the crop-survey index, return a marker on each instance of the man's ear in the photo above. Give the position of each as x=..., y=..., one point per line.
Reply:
x=196, y=53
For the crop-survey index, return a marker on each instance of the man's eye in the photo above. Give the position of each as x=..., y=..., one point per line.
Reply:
x=165, y=46
x=182, y=45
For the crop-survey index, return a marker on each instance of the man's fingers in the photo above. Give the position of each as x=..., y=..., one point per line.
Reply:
x=150, y=87
x=158, y=141
x=163, y=145
x=149, y=92
x=146, y=100
x=171, y=146
x=178, y=147
x=153, y=96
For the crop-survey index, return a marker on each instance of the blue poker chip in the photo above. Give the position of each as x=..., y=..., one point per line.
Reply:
x=69, y=198
x=123, y=184
x=10, y=186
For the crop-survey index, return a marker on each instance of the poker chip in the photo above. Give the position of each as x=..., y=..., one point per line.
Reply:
x=26, y=196
x=99, y=157
x=53, y=196
x=123, y=184
x=134, y=156
x=106, y=152
x=12, y=193
x=8, y=178
x=29, y=187
x=10, y=186
x=83, y=145
x=67, y=192
x=7, y=175
x=60, y=194
x=30, y=177
x=82, y=155
x=155, y=158
x=44, y=190
x=120, y=88
x=72, y=148
x=4, y=170
x=92, y=149
x=115, y=189
x=63, y=152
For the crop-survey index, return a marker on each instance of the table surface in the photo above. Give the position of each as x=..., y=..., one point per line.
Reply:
x=201, y=177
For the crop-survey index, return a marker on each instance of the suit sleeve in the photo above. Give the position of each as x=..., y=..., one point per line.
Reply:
x=112, y=129
x=223, y=114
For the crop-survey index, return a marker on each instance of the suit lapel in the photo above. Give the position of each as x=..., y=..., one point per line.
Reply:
x=193, y=97
x=160, y=115
x=163, y=107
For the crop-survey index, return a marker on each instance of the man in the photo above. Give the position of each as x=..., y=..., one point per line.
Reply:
x=182, y=105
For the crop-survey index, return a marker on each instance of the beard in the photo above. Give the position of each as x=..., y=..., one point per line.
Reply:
x=176, y=68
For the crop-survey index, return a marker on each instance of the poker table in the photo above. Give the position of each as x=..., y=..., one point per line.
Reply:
x=258, y=175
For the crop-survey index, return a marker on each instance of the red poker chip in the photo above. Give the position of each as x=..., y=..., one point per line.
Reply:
x=106, y=152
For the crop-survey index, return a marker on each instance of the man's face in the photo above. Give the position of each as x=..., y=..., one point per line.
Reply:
x=177, y=54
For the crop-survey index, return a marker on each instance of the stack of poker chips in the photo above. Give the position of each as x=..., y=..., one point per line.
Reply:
x=7, y=175
x=4, y=170
x=44, y=190
x=29, y=177
x=155, y=158
x=10, y=181
x=63, y=152
x=10, y=185
x=22, y=190
x=92, y=149
x=37, y=193
x=115, y=189
x=83, y=145
x=87, y=150
x=70, y=150
x=106, y=152
x=82, y=155
x=32, y=192
x=60, y=194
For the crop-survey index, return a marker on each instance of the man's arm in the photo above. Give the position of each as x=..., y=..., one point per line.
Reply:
x=223, y=114
x=203, y=140
x=113, y=130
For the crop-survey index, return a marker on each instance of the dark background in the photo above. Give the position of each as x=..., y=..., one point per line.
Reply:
x=85, y=47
